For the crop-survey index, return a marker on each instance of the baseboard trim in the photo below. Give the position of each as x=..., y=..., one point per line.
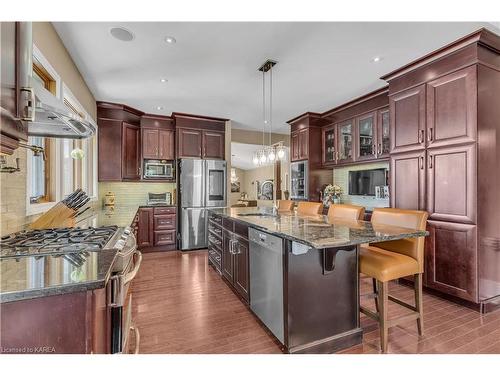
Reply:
x=330, y=344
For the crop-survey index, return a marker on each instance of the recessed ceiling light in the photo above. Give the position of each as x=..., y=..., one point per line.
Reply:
x=159, y=108
x=170, y=40
x=122, y=34
x=163, y=80
x=376, y=59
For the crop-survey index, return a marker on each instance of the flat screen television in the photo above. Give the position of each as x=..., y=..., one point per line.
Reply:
x=364, y=182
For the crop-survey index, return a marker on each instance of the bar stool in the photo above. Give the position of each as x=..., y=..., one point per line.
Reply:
x=309, y=208
x=390, y=260
x=284, y=205
x=346, y=211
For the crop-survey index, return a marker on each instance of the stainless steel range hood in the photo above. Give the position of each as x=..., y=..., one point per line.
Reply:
x=53, y=119
x=45, y=114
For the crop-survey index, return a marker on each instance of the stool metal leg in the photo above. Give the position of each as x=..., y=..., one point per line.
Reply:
x=383, y=293
x=419, y=303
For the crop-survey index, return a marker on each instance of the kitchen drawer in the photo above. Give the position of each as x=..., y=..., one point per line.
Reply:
x=228, y=224
x=215, y=219
x=214, y=240
x=215, y=230
x=214, y=256
x=164, y=222
x=164, y=237
x=164, y=210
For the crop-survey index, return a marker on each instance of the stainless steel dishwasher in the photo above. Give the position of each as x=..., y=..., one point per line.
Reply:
x=266, y=280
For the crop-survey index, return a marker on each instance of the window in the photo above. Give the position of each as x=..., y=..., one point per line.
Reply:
x=40, y=179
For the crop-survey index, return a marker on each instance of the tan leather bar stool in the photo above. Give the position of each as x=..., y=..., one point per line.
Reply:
x=309, y=208
x=346, y=211
x=284, y=205
x=386, y=261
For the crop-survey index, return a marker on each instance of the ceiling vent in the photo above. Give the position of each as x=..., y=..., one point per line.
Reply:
x=122, y=34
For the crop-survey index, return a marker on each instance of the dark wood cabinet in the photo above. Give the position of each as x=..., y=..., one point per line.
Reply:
x=383, y=133
x=158, y=144
x=131, y=151
x=408, y=180
x=329, y=144
x=451, y=259
x=189, y=143
x=345, y=137
x=145, y=227
x=227, y=256
x=452, y=108
x=164, y=222
x=294, y=143
x=451, y=184
x=300, y=145
x=164, y=237
x=213, y=144
x=241, y=267
x=407, y=118
x=366, y=136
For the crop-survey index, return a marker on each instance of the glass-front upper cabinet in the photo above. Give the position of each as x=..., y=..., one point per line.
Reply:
x=366, y=136
x=345, y=137
x=383, y=146
x=329, y=145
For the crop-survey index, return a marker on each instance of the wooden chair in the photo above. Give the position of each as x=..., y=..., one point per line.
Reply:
x=309, y=208
x=284, y=205
x=386, y=261
x=346, y=211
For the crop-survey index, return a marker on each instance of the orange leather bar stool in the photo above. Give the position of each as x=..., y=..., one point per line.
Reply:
x=309, y=208
x=284, y=205
x=346, y=211
x=386, y=261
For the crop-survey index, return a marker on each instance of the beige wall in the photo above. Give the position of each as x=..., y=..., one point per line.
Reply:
x=240, y=174
x=13, y=186
x=255, y=137
x=258, y=174
x=48, y=42
x=341, y=178
x=134, y=193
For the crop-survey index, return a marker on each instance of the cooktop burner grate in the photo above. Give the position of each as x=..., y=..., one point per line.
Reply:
x=62, y=241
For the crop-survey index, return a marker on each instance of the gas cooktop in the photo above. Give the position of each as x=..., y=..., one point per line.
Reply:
x=72, y=242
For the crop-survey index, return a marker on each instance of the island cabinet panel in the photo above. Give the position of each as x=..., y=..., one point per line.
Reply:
x=189, y=143
x=452, y=108
x=227, y=256
x=213, y=144
x=241, y=265
x=451, y=187
x=408, y=180
x=145, y=227
x=408, y=120
x=131, y=163
x=451, y=259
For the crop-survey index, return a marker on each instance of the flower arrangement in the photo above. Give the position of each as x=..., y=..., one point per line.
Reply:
x=331, y=194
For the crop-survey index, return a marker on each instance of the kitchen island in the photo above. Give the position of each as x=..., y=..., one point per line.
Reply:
x=298, y=274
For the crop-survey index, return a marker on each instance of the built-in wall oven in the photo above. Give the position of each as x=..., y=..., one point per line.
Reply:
x=159, y=169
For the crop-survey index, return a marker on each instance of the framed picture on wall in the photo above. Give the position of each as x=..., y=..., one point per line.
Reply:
x=235, y=187
x=265, y=191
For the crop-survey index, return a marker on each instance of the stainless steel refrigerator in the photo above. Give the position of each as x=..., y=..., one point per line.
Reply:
x=202, y=185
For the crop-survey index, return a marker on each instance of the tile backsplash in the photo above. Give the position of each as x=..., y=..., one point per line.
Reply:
x=341, y=178
x=134, y=193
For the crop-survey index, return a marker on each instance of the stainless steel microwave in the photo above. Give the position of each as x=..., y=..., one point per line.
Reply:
x=159, y=169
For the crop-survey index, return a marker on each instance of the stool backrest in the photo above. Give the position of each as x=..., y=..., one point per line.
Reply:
x=309, y=208
x=412, y=219
x=346, y=211
x=284, y=205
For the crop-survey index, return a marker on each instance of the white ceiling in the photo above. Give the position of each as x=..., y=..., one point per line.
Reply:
x=212, y=69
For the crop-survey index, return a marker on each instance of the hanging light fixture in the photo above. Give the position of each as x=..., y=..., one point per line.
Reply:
x=269, y=153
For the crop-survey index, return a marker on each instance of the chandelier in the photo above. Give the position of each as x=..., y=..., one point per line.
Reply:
x=268, y=154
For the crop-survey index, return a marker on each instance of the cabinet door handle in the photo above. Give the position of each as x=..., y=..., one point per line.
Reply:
x=380, y=148
x=421, y=162
x=421, y=136
x=374, y=151
x=430, y=134
x=430, y=161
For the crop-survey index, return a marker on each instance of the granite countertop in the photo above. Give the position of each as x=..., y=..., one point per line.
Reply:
x=318, y=231
x=32, y=277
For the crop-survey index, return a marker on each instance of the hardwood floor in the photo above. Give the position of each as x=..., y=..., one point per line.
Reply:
x=181, y=305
